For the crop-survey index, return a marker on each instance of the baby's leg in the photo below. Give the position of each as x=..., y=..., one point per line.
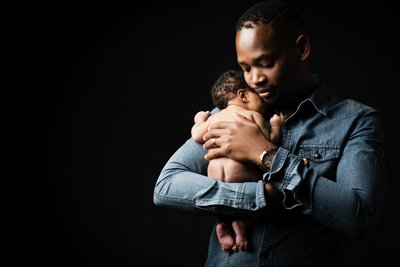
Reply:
x=225, y=236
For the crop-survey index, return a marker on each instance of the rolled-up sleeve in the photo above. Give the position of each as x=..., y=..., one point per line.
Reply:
x=183, y=186
x=351, y=202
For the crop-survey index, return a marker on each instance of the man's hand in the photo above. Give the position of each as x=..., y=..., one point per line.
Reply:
x=241, y=140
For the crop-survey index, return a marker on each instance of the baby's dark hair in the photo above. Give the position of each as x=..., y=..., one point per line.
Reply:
x=226, y=87
x=275, y=13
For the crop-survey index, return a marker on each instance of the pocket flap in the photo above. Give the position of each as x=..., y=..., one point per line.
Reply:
x=319, y=153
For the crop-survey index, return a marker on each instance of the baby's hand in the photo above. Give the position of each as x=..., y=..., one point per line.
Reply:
x=201, y=116
x=277, y=120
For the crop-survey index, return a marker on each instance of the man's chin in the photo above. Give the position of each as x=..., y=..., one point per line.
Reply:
x=273, y=104
x=270, y=100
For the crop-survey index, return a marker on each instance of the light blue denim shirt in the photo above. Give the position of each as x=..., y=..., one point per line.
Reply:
x=336, y=198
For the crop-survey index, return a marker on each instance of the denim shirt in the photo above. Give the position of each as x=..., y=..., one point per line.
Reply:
x=332, y=201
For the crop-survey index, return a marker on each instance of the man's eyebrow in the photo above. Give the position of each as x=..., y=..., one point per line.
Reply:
x=258, y=59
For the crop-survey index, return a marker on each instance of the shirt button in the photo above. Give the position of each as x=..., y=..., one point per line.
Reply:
x=253, y=205
x=317, y=155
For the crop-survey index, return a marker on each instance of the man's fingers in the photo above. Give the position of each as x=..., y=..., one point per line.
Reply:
x=213, y=153
x=213, y=133
x=211, y=143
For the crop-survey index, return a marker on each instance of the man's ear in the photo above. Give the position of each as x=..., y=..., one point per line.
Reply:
x=243, y=95
x=303, y=47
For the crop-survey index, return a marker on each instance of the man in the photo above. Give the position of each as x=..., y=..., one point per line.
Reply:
x=323, y=186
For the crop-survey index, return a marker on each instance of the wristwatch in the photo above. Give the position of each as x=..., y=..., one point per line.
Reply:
x=266, y=159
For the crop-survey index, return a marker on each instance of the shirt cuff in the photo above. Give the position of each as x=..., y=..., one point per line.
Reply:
x=285, y=175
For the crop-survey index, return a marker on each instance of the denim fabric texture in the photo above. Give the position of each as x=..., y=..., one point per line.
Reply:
x=330, y=203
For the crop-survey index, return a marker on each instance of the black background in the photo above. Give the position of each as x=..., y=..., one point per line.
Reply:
x=112, y=92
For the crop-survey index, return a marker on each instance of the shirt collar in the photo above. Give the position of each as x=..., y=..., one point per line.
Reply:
x=320, y=97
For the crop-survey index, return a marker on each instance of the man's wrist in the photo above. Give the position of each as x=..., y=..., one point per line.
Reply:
x=266, y=159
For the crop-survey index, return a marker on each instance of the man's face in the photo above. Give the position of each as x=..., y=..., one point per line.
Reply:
x=269, y=62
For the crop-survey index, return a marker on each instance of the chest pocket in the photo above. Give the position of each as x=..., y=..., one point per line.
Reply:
x=319, y=153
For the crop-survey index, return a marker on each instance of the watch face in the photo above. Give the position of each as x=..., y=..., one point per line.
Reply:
x=267, y=162
x=267, y=158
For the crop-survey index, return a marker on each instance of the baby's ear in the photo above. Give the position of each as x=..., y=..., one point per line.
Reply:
x=242, y=94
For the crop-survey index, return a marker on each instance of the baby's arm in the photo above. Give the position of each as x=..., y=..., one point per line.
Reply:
x=200, y=126
x=260, y=121
x=276, y=122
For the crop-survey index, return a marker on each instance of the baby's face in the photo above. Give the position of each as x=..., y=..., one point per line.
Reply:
x=256, y=103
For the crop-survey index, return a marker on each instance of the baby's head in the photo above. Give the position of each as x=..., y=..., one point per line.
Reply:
x=226, y=87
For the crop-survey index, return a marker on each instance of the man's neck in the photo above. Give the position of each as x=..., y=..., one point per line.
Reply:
x=291, y=107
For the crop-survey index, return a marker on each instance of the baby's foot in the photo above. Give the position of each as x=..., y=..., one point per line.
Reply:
x=241, y=238
x=225, y=237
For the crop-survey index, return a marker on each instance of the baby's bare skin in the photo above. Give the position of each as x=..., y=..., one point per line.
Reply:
x=232, y=235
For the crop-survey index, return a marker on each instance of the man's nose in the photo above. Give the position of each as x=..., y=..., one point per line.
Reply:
x=257, y=76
